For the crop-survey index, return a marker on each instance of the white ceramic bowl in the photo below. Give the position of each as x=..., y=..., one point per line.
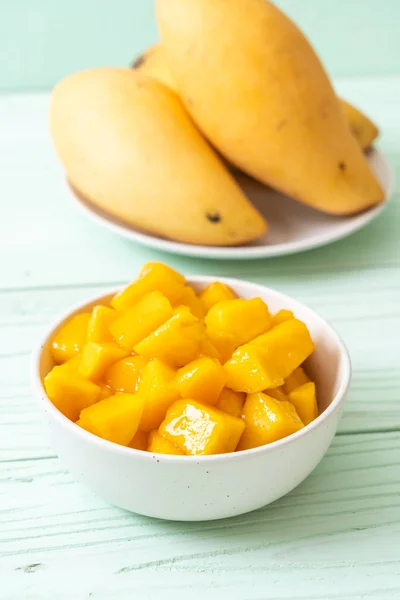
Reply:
x=209, y=487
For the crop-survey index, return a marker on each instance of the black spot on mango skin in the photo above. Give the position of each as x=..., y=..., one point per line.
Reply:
x=342, y=165
x=214, y=217
x=138, y=62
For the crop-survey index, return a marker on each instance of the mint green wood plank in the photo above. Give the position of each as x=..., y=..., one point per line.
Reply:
x=336, y=533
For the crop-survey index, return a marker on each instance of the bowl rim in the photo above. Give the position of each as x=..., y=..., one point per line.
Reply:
x=48, y=407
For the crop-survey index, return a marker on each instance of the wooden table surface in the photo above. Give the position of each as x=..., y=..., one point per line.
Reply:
x=336, y=536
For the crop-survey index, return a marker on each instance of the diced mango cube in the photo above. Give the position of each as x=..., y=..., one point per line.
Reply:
x=69, y=391
x=124, y=375
x=269, y=359
x=140, y=441
x=96, y=358
x=137, y=322
x=115, y=419
x=277, y=393
x=304, y=399
x=73, y=363
x=152, y=277
x=158, y=389
x=199, y=429
x=281, y=316
x=177, y=341
x=189, y=299
x=246, y=370
x=237, y=321
x=158, y=444
x=231, y=402
x=295, y=379
x=214, y=293
x=267, y=420
x=70, y=339
x=202, y=380
x=99, y=324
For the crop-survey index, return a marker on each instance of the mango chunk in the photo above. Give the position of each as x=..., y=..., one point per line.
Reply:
x=70, y=339
x=177, y=341
x=140, y=441
x=202, y=380
x=267, y=420
x=153, y=276
x=295, y=379
x=281, y=316
x=137, y=322
x=235, y=322
x=99, y=323
x=115, y=419
x=214, y=293
x=158, y=389
x=304, y=399
x=231, y=402
x=96, y=358
x=207, y=348
x=270, y=358
x=189, y=299
x=159, y=445
x=124, y=375
x=277, y=393
x=199, y=429
x=69, y=391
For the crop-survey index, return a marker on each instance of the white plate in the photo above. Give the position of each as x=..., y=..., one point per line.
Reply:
x=293, y=227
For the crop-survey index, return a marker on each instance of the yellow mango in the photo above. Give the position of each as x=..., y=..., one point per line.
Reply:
x=202, y=380
x=96, y=358
x=129, y=147
x=295, y=379
x=70, y=339
x=274, y=113
x=158, y=390
x=268, y=360
x=99, y=323
x=177, y=341
x=231, y=402
x=189, y=298
x=277, y=393
x=267, y=420
x=142, y=318
x=235, y=322
x=281, y=317
x=199, y=429
x=69, y=391
x=304, y=400
x=216, y=292
x=363, y=129
x=158, y=444
x=140, y=441
x=154, y=62
x=123, y=376
x=153, y=277
x=115, y=419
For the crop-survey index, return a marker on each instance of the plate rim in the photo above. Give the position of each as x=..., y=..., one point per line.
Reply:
x=243, y=252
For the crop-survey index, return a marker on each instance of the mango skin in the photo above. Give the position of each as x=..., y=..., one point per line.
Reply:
x=128, y=146
x=154, y=63
x=256, y=89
